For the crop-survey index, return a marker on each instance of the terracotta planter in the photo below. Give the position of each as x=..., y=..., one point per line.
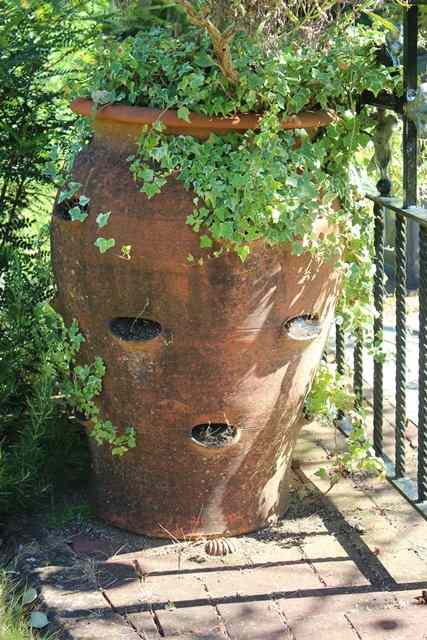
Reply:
x=187, y=346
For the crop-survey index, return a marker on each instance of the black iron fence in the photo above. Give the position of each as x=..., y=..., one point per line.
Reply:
x=413, y=111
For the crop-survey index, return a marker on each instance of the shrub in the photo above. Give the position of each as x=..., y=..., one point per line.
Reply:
x=38, y=44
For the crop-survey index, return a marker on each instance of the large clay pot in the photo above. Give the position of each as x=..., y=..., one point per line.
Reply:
x=187, y=346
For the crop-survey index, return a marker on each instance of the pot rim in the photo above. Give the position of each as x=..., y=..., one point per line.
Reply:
x=242, y=122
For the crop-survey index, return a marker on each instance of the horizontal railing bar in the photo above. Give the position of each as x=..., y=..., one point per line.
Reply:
x=405, y=486
x=419, y=214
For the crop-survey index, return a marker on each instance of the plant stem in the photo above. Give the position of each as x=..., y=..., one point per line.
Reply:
x=220, y=41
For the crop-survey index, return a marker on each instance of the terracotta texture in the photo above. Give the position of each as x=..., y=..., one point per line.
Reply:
x=223, y=354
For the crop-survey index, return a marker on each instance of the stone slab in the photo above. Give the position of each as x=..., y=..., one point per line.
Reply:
x=323, y=627
x=108, y=626
x=405, y=624
x=262, y=581
x=254, y=621
x=340, y=573
x=198, y=622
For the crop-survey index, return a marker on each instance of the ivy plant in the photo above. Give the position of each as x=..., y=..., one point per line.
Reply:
x=81, y=384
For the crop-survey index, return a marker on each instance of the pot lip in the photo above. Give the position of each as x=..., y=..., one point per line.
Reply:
x=128, y=114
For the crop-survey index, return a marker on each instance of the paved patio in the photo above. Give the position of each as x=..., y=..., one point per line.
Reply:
x=351, y=564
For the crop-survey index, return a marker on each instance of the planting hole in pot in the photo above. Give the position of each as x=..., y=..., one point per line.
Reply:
x=135, y=329
x=305, y=327
x=215, y=435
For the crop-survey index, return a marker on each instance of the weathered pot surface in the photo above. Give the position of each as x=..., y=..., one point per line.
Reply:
x=203, y=361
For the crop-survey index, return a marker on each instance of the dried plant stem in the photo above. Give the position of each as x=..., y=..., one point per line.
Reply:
x=220, y=41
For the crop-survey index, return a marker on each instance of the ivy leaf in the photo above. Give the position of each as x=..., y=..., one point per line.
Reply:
x=151, y=189
x=158, y=126
x=69, y=192
x=184, y=114
x=204, y=60
x=29, y=596
x=125, y=251
x=76, y=214
x=103, y=97
x=102, y=219
x=321, y=473
x=147, y=174
x=104, y=245
x=38, y=620
x=83, y=201
x=243, y=252
x=205, y=242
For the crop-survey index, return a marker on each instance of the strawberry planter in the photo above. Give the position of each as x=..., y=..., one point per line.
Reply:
x=210, y=363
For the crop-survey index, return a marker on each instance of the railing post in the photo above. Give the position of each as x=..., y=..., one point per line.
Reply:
x=358, y=370
x=384, y=186
x=400, y=345
x=410, y=142
x=422, y=391
x=340, y=349
x=340, y=356
x=410, y=50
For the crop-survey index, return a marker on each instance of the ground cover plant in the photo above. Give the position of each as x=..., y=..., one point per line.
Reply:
x=15, y=605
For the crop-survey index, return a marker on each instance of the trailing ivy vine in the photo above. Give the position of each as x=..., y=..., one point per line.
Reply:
x=81, y=384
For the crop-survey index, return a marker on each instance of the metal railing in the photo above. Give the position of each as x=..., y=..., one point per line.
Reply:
x=414, y=490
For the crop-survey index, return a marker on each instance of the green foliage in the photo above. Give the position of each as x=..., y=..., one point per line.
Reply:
x=261, y=184
x=36, y=130
x=66, y=514
x=38, y=445
x=41, y=44
x=328, y=397
x=81, y=384
x=14, y=624
x=35, y=38
x=104, y=244
x=160, y=69
x=39, y=382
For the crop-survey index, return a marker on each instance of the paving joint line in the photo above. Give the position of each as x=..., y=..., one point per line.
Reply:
x=124, y=617
x=214, y=605
x=274, y=601
x=351, y=625
x=141, y=576
x=283, y=618
x=311, y=565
